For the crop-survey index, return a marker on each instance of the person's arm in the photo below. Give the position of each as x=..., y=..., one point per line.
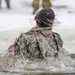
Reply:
x=59, y=39
x=20, y=45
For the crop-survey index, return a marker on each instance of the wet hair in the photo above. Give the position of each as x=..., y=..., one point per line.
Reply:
x=45, y=17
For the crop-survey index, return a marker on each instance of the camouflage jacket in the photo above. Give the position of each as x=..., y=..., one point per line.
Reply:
x=38, y=43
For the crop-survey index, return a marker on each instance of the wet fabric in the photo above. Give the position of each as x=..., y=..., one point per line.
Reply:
x=45, y=4
x=38, y=43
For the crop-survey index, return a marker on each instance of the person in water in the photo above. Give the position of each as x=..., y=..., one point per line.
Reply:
x=40, y=42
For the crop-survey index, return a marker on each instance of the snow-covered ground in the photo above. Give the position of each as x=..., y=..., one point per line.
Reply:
x=19, y=19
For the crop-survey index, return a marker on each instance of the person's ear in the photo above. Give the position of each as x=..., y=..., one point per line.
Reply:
x=35, y=17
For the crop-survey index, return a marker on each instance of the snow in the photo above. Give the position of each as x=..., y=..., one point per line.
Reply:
x=19, y=19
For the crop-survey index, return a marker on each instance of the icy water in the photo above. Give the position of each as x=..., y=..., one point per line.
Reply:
x=26, y=67
x=16, y=71
x=37, y=73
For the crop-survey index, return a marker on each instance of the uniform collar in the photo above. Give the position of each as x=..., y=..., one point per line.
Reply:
x=46, y=31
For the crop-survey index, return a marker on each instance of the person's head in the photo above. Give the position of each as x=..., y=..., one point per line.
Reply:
x=45, y=17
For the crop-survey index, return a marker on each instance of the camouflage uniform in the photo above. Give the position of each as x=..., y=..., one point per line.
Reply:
x=35, y=4
x=7, y=2
x=34, y=45
x=45, y=4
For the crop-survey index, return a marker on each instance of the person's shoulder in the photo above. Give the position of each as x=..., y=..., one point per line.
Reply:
x=25, y=34
x=58, y=38
x=28, y=35
x=57, y=34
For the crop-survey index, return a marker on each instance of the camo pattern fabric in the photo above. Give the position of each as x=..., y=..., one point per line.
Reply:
x=35, y=45
x=45, y=4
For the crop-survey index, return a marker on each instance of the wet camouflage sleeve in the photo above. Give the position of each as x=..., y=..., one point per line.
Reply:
x=20, y=45
x=26, y=46
x=59, y=40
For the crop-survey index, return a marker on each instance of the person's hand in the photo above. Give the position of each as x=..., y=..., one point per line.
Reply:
x=11, y=48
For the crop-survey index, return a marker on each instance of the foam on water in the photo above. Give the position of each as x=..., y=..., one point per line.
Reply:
x=51, y=65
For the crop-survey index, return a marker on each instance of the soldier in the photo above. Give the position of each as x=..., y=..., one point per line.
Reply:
x=45, y=4
x=40, y=42
x=7, y=2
